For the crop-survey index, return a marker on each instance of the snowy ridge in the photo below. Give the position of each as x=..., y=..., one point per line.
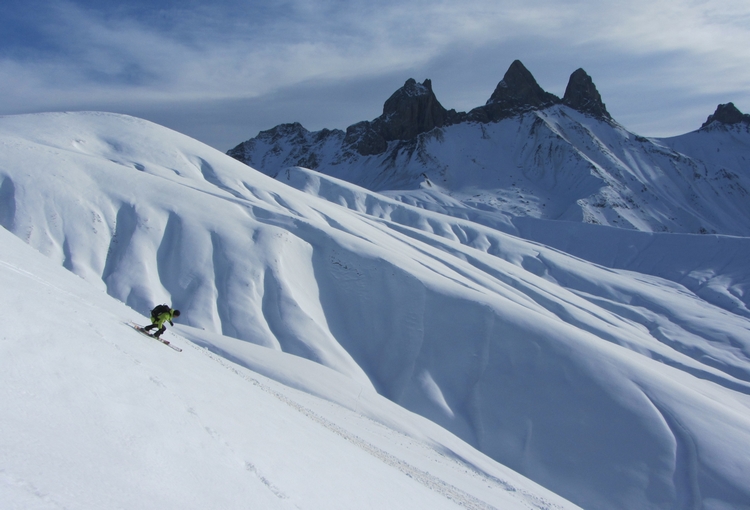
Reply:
x=612, y=388
x=692, y=260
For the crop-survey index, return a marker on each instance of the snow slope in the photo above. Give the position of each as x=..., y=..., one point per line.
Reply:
x=555, y=164
x=612, y=387
x=97, y=416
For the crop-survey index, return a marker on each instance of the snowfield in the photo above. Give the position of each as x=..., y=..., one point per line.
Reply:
x=347, y=349
x=98, y=416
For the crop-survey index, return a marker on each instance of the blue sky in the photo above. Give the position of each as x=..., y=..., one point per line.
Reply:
x=224, y=70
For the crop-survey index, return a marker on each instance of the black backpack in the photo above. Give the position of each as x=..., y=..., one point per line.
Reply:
x=158, y=310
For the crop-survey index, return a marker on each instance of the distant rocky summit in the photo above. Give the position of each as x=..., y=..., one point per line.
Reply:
x=516, y=93
x=410, y=111
x=413, y=110
x=581, y=95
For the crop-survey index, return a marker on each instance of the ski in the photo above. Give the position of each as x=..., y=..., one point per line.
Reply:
x=144, y=332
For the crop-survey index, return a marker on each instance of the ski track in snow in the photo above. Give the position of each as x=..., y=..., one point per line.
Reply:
x=37, y=498
x=433, y=483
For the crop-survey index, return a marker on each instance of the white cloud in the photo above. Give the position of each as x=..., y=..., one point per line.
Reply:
x=237, y=49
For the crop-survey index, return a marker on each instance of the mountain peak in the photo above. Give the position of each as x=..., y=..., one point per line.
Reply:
x=727, y=114
x=581, y=94
x=519, y=88
x=411, y=110
x=411, y=88
x=518, y=91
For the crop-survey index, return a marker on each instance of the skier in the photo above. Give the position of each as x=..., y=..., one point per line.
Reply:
x=159, y=316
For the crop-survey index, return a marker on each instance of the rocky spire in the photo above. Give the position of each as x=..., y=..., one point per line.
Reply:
x=727, y=114
x=519, y=88
x=517, y=92
x=410, y=111
x=581, y=95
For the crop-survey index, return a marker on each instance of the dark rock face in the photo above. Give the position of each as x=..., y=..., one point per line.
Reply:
x=410, y=111
x=365, y=139
x=727, y=114
x=516, y=93
x=581, y=95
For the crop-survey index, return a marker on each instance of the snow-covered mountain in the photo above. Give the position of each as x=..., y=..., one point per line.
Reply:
x=618, y=384
x=528, y=153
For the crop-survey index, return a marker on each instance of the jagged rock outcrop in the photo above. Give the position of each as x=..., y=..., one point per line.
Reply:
x=410, y=111
x=727, y=114
x=516, y=93
x=365, y=139
x=581, y=94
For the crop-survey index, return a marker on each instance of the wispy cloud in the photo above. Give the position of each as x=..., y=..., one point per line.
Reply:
x=227, y=51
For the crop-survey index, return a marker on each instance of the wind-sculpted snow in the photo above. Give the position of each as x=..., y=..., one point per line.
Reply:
x=713, y=267
x=611, y=387
x=98, y=416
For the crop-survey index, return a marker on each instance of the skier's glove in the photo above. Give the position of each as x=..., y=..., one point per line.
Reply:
x=171, y=323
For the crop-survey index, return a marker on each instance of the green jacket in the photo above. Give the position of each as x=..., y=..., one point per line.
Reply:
x=163, y=317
